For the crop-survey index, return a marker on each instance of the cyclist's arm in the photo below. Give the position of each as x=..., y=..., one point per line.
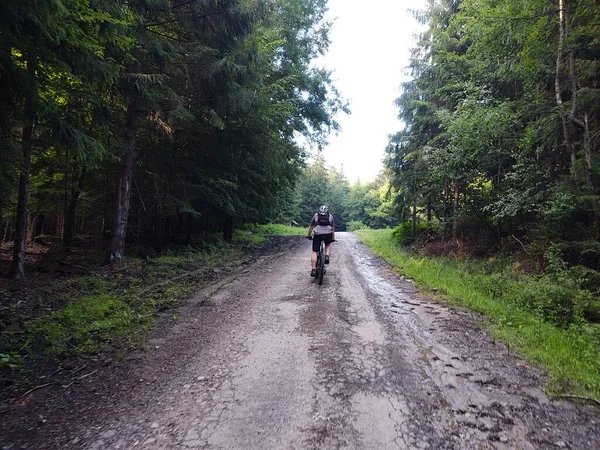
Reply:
x=311, y=227
x=332, y=229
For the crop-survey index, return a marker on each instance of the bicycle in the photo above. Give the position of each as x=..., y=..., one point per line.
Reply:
x=320, y=269
x=320, y=263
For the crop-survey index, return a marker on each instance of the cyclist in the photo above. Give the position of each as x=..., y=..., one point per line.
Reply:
x=324, y=227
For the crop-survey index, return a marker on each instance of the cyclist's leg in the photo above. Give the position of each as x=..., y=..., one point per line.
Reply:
x=328, y=239
x=315, y=250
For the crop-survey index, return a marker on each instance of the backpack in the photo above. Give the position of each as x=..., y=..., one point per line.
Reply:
x=323, y=219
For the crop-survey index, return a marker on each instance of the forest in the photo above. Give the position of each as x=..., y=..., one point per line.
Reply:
x=130, y=126
x=144, y=123
x=502, y=126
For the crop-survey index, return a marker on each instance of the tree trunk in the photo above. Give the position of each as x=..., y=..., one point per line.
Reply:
x=8, y=223
x=228, y=229
x=414, y=217
x=18, y=263
x=117, y=245
x=190, y=226
x=179, y=224
x=39, y=226
x=69, y=230
x=1, y=209
x=588, y=152
x=557, y=87
x=104, y=197
x=446, y=195
x=429, y=210
x=166, y=229
x=455, y=212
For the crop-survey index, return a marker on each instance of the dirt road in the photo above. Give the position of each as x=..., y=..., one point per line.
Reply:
x=267, y=359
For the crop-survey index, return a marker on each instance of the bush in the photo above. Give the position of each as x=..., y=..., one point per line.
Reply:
x=403, y=233
x=561, y=295
x=555, y=303
x=354, y=225
x=585, y=253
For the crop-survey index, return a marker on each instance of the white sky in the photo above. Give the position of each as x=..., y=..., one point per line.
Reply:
x=369, y=52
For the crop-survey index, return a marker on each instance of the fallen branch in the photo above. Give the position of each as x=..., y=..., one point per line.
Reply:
x=34, y=389
x=580, y=397
x=87, y=375
x=520, y=243
x=53, y=382
x=66, y=386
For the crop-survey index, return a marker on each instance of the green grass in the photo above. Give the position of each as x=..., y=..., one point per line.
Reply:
x=85, y=326
x=257, y=234
x=569, y=354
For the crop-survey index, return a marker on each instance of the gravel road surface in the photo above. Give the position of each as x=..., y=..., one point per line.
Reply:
x=267, y=359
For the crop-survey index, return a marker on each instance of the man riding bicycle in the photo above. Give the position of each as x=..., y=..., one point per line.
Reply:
x=324, y=228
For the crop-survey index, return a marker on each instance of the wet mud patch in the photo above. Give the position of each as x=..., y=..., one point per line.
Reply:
x=494, y=398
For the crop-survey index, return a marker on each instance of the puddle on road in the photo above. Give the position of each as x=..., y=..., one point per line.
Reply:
x=391, y=297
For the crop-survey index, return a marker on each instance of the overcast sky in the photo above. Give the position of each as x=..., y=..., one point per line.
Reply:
x=369, y=51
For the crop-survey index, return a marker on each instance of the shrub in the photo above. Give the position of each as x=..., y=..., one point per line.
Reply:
x=354, y=225
x=403, y=233
x=585, y=253
x=551, y=301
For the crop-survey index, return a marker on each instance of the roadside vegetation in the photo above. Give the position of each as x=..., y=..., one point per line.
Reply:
x=551, y=318
x=258, y=233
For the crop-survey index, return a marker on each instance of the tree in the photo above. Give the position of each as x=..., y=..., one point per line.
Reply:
x=495, y=125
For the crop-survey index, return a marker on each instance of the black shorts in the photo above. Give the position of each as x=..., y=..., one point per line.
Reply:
x=317, y=238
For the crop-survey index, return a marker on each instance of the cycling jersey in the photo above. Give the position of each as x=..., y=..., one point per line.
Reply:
x=322, y=229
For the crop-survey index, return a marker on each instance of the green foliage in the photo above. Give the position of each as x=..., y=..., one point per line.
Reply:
x=10, y=360
x=209, y=96
x=522, y=309
x=484, y=139
x=354, y=225
x=85, y=326
x=403, y=234
x=371, y=203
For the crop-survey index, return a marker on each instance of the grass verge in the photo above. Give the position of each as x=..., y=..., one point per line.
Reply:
x=256, y=233
x=569, y=355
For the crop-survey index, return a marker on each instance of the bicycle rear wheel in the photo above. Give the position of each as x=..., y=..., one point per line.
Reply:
x=321, y=263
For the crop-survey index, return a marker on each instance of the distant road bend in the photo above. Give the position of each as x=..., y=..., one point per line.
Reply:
x=267, y=359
